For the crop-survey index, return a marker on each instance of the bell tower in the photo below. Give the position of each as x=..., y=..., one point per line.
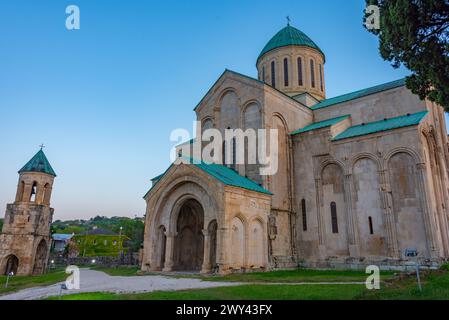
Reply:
x=25, y=240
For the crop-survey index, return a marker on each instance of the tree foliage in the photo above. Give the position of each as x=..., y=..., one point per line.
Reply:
x=415, y=33
x=1, y=225
x=132, y=228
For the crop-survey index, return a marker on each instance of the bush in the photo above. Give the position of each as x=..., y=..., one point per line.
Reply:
x=445, y=267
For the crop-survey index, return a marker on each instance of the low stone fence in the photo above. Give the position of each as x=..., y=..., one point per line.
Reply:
x=109, y=262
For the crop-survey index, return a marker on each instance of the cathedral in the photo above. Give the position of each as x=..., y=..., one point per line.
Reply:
x=361, y=178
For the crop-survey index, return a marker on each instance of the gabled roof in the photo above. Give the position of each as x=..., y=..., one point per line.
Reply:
x=305, y=94
x=251, y=79
x=321, y=124
x=39, y=163
x=359, y=94
x=289, y=36
x=383, y=125
x=223, y=174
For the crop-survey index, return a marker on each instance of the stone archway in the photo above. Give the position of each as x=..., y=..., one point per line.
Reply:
x=11, y=264
x=40, y=258
x=189, y=243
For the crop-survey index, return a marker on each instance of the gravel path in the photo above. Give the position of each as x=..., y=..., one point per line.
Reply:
x=95, y=281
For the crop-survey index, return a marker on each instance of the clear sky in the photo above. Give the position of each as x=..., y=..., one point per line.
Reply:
x=104, y=98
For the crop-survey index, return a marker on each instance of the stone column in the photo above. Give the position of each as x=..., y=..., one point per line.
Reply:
x=390, y=224
x=321, y=232
x=27, y=192
x=47, y=196
x=424, y=197
x=169, y=251
x=223, y=244
x=206, y=267
x=354, y=250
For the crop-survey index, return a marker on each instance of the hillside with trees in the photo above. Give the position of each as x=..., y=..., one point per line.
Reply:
x=131, y=228
x=1, y=224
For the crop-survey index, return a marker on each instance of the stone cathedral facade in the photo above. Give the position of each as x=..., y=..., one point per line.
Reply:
x=25, y=239
x=362, y=177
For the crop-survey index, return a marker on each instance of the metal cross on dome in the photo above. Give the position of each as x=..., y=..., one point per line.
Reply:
x=288, y=20
x=42, y=146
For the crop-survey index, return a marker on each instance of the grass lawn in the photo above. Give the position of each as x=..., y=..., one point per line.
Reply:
x=435, y=287
x=299, y=275
x=244, y=292
x=18, y=283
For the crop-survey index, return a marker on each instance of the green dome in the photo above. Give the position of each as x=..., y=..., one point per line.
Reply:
x=289, y=36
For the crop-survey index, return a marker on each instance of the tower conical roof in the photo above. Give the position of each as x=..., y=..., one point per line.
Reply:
x=39, y=163
x=289, y=36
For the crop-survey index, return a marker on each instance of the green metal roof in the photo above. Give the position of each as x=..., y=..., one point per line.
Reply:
x=230, y=177
x=359, y=94
x=157, y=177
x=225, y=175
x=383, y=125
x=289, y=36
x=39, y=163
x=319, y=125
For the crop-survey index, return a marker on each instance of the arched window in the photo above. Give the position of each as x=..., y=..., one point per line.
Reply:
x=285, y=72
x=304, y=215
x=234, y=154
x=223, y=153
x=300, y=81
x=273, y=74
x=334, y=217
x=370, y=221
x=312, y=73
x=321, y=78
x=33, y=192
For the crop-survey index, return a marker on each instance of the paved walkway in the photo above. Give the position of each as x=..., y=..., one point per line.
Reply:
x=95, y=281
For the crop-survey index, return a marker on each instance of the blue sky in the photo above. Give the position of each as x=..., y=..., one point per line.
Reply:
x=105, y=98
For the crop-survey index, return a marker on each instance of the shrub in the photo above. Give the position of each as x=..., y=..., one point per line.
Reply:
x=445, y=267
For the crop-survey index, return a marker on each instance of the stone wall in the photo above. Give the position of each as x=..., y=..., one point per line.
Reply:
x=131, y=259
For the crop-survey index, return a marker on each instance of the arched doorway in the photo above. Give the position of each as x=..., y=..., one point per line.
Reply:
x=12, y=265
x=40, y=258
x=189, y=244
